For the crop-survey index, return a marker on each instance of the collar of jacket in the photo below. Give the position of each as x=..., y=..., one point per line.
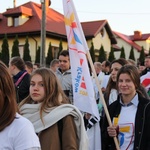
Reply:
x=66, y=72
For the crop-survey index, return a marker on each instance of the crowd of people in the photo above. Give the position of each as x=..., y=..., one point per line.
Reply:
x=37, y=108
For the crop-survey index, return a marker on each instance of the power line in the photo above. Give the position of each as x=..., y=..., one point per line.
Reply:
x=109, y=13
x=116, y=13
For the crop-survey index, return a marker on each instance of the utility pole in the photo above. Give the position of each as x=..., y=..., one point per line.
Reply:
x=43, y=34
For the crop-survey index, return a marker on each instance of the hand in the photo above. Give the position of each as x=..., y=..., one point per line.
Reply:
x=103, y=89
x=87, y=116
x=112, y=131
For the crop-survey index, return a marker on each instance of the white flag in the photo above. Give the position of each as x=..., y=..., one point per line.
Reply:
x=83, y=91
x=145, y=80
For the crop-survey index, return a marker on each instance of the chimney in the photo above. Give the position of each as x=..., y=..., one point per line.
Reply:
x=14, y=3
x=137, y=35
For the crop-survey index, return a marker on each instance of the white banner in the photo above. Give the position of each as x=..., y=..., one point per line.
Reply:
x=83, y=91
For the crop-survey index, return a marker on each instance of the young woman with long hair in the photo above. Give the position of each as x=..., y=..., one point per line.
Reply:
x=58, y=124
x=130, y=114
x=111, y=89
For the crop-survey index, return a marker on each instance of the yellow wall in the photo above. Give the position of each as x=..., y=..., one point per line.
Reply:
x=34, y=42
x=105, y=41
x=23, y=19
x=145, y=44
x=98, y=41
x=127, y=48
x=9, y=21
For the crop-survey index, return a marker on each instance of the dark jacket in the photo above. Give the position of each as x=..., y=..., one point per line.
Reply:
x=145, y=71
x=22, y=89
x=142, y=125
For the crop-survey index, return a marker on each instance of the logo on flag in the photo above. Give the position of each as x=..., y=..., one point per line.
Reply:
x=80, y=86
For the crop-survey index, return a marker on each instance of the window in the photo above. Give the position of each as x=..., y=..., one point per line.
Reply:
x=102, y=32
x=56, y=50
x=16, y=21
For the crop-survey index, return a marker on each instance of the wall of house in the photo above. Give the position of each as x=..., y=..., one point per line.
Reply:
x=23, y=19
x=99, y=40
x=127, y=48
x=145, y=44
x=55, y=46
x=56, y=43
x=34, y=43
x=102, y=40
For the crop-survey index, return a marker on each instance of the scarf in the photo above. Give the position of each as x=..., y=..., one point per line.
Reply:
x=53, y=115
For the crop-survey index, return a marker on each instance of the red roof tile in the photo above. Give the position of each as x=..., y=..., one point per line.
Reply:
x=18, y=11
x=1, y=16
x=54, y=22
x=143, y=38
x=92, y=28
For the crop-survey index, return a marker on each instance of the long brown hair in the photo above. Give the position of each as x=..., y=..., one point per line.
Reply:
x=111, y=84
x=54, y=95
x=18, y=62
x=132, y=71
x=8, y=105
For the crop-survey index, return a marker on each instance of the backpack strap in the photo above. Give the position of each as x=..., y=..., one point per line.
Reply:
x=19, y=80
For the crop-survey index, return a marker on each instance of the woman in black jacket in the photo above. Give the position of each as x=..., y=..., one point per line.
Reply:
x=20, y=77
x=130, y=114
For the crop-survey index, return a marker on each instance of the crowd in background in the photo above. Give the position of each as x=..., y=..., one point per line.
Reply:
x=45, y=97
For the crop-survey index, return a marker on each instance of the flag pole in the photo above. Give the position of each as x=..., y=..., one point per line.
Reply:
x=101, y=96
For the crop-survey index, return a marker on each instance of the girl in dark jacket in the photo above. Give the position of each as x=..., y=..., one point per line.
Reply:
x=20, y=77
x=129, y=114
